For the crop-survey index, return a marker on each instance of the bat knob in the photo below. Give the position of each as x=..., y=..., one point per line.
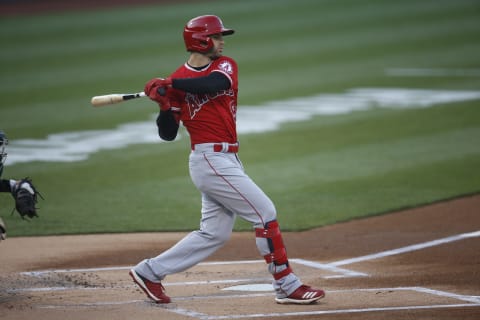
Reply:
x=162, y=91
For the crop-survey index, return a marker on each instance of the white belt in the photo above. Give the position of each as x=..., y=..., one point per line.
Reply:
x=217, y=147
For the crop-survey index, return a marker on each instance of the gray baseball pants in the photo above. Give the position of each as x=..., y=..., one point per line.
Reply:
x=226, y=192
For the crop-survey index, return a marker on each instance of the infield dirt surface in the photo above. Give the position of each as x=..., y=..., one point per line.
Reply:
x=418, y=264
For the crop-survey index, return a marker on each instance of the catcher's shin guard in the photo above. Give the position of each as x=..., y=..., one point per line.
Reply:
x=277, y=257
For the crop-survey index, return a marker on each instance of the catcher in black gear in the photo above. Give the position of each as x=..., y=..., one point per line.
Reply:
x=23, y=191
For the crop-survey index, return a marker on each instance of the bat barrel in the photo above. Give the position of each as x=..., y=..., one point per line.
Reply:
x=113, y=98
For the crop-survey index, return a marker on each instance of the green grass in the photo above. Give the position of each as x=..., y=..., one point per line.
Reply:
x=317, y=172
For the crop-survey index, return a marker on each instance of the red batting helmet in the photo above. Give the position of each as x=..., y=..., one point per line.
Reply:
x=197, y=31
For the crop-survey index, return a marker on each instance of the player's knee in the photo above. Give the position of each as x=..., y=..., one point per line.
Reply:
x=217, y=236
x=268, y=212
x=222, y=237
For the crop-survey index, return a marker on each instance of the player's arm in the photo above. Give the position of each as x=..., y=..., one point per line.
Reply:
x=214, y=82
x=167, y=124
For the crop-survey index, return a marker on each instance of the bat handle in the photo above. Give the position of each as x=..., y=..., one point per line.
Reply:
x=162, y=91
x=133, y=96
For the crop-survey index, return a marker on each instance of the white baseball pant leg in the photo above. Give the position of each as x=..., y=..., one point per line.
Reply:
x=226, y=192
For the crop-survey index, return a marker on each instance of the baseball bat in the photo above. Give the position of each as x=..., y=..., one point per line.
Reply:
x=99, y=101
x=107, y=99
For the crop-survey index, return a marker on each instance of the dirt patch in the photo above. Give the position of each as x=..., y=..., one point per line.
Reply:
x=421, y=263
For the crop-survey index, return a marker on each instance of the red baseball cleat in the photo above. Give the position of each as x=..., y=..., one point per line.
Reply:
x=154, y=290
x=303, y=295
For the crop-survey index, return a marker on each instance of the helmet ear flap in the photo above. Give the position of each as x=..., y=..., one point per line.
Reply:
x=204, y=43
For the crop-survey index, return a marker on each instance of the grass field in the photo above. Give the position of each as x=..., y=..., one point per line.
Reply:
x=320, y=171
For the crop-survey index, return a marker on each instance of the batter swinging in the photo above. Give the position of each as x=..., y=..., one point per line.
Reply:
x=202, y=94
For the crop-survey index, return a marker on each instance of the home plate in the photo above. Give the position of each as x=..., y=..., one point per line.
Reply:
x=251, y=287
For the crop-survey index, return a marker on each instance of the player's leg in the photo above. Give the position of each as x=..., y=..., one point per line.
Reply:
x=230, y=186
x=270, y=244
x=287, y=286
x=215, y=229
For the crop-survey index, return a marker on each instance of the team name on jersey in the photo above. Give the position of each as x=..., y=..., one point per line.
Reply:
x=195, y=102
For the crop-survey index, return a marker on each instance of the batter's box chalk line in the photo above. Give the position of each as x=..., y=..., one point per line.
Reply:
x=338, y=272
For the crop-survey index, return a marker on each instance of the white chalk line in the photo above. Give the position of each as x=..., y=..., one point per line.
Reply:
x=54, y=289
x=466, y=298
x=120, y=268
x=341, y=272
x=166, y=284
x=328, y=267
x=407, y=249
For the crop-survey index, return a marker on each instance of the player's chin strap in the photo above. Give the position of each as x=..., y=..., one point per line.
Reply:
x=278, y=253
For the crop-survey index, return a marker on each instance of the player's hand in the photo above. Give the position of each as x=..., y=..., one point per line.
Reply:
x=152, y=86
x=162, y=99
x=156, y=90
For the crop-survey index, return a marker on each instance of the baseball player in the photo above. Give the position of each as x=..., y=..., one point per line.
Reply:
x=23, y=191
x=202, y=94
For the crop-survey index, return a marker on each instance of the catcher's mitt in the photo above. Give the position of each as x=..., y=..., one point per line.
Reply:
x=25, y=195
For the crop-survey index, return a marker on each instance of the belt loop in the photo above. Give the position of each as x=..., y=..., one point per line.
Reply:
x=225, y=146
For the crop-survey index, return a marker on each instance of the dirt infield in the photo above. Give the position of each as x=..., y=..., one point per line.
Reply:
x=417, y=264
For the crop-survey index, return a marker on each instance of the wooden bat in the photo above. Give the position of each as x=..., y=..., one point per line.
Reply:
x=99, y=101
x=107, y=99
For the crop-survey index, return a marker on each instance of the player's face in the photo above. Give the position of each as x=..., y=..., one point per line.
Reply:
x=217, y=49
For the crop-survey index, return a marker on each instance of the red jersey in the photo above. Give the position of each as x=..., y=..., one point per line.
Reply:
x=208, y=117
